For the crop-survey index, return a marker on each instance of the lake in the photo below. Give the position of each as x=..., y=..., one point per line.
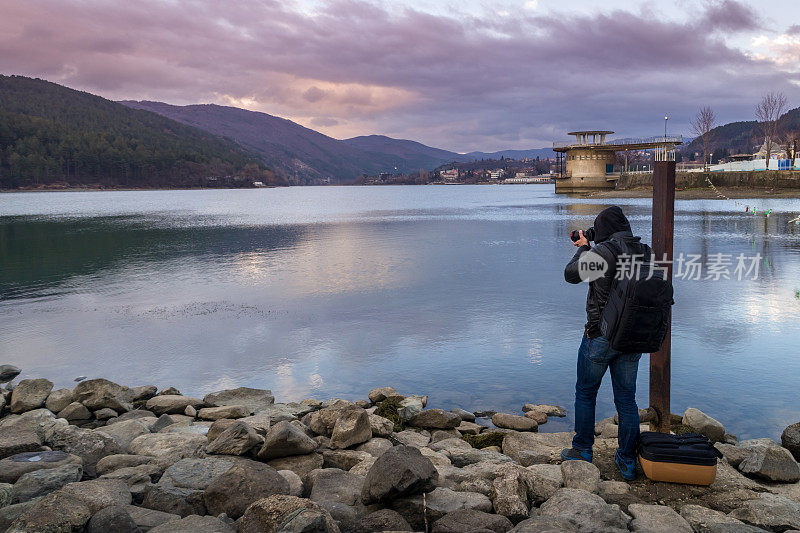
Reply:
x=456, y=292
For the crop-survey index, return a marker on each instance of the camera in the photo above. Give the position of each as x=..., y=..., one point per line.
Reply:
x=589, y=234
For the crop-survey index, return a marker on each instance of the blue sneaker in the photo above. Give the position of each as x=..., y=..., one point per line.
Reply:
x=627, y=467
x=573, y=454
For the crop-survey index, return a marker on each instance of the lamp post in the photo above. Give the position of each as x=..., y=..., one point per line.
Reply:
x=666, y=118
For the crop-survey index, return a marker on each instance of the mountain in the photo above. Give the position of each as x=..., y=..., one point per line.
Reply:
x=543, y=153
x=52, y=134
x=410, y=155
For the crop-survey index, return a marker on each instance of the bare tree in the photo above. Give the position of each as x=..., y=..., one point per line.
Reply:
x=768, y=111
x=792, y=139
x=702, y=124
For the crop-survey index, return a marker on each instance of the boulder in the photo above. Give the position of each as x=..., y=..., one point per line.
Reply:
x=333, y=484
x=733, y=454
x=285, y=514
x=380, y=394
x=8, y=372
x=284, y=439
x=216, y=429
x=398, y=472
x=535, y=448
x=105, y=413
x=322, y=421
x=656, y=518
x=195, y=524
x=197, y=474
x=260, y=422
x=40, y=482
x=580, y=475
x=143, y=393
x=470, y=428
x=9, y=513
x=382, y=520
x=381, y=427
x=363, y=467
x=466, y=456
x=702, y=519
x=253, y=400
x=101, y=393
x=435, y=419
x=286, y=411
x=545, y=482
x=466, y=416
x=585, y=510
x=225, y=411
x=58, y=400
x=703, y=424
x=99, y=493
x=114, y=462
x=771, y=463
x=171, y=404
x=12, y=468
x=546, y=524
x=302, y=465
x=124, y=432
x=344, y=459
x=438, y=503
x=75, y=413
x=6, y=490
x=55, y=512
x=113, y=518
x=612, y=490
x=238, y=439
x=517, y=423
x=408, y=437
x=770, y=511
x=175, y=500
x=510, y=492
x=162, y=423
x=294, y=481
x=14, y=442
x=39, y=421
x=351, y=428
x=138, y=478
x=147, y=519
x=168, y=448
x=548, y=410
x=375, y=447
x=89, y=445
x=244, y=483
x=465, y=520
x=790, y=439
x=30, y=394
x=410, y=407
x=538, y=416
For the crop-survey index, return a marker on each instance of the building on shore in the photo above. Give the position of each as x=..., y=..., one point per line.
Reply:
x=496, y=174
x=449, y=175
x=587, y=164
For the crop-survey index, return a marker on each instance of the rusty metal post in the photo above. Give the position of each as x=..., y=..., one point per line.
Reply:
x=663, y=231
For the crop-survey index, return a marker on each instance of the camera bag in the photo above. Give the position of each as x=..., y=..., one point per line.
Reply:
x=688, y=458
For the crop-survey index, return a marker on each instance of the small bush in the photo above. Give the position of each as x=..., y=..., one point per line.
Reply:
x=484, y=440
x=388, y=409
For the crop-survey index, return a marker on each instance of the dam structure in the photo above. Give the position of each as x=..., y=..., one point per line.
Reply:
x=588, y=163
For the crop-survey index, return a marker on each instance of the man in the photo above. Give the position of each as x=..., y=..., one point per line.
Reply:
x=595, y=354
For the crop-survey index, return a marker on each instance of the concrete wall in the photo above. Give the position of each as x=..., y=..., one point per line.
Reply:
x=587, y=171
x=785, y=179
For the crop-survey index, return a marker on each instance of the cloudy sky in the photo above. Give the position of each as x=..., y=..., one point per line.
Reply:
x=462, y=75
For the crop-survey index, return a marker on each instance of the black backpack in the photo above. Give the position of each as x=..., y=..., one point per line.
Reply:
x=636, y=315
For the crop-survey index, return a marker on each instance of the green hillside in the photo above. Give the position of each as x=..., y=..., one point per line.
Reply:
x=50, y=134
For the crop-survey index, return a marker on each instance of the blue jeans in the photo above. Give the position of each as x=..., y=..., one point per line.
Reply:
x=594, y=357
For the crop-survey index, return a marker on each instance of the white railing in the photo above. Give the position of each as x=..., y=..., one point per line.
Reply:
x=666, y=139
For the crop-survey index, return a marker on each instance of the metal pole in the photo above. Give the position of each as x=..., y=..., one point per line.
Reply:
x=663, y=231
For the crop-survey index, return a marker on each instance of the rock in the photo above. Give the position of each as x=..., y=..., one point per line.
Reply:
x=380, y=394
x=75, y=413
x=89, y=445
x=344, y=459
x=169, y=391
x=537, y=416
x=58, y=400
x=8, y=372
x=143, y=393
x=701, y=519
x=134, y=415
x=323, y=421
x=39, y=421
x=195, y=524
x=12, y=468
x=770, y=511
x=351, y=428
x=163, y=422
x=283, y=439
x=138, y=478
x=30, y=394
x=234, y=491
x=113, y=518
x=790, y=439
x=409, y=437
x=549, y=410
x=580, y=475
x=584, y=509
x=168, y=448
x=9, y=513
x=470, y=428
x=518, y=423
x=311, y=403
x=226, y=411
x=40, y=482
x=383, y=520
x=435, y=419
x=286, y=411
x=363, y=467
x=733, y=454
x=470, y=520
x=375, y=447
x=6, y=490
x=171, y=404
x=703, y=424
x=467, y=456
x=612, y=489
x=535, y=448
x=55, y=512
x=114, y=462
x=438, y=503
x=14, y=442
x=510, y=492
x=294, y=481
x=101, y=393
x=302, y=465
x=545, y=482
x=197, y=474
x=333, y=484
x=147, y=519
x=191, y=411
x=410, y=407
x=260, y=422
x=286, y=514
x=771, y=463
x=126, y=431
x=238, y=439
x=218, y=427
x=99, y=493
x=545, y=524
x=253, y=400
x=105, y=413
x=656, y=518
x=465, y=415
x=400, y=471
x=175, y=500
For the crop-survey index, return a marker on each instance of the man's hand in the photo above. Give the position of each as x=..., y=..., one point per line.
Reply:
x=582, y=241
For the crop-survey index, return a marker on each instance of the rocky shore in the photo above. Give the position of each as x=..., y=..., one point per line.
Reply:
x=108, y=458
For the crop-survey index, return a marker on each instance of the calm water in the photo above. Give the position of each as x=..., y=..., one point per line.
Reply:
x=454, y=292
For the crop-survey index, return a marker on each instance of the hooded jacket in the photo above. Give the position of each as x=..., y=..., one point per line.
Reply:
x=611, y=222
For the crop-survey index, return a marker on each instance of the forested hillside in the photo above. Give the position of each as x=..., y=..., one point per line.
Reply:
x=50, y=134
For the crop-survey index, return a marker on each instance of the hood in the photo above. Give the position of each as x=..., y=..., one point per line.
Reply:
x=610, y=220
